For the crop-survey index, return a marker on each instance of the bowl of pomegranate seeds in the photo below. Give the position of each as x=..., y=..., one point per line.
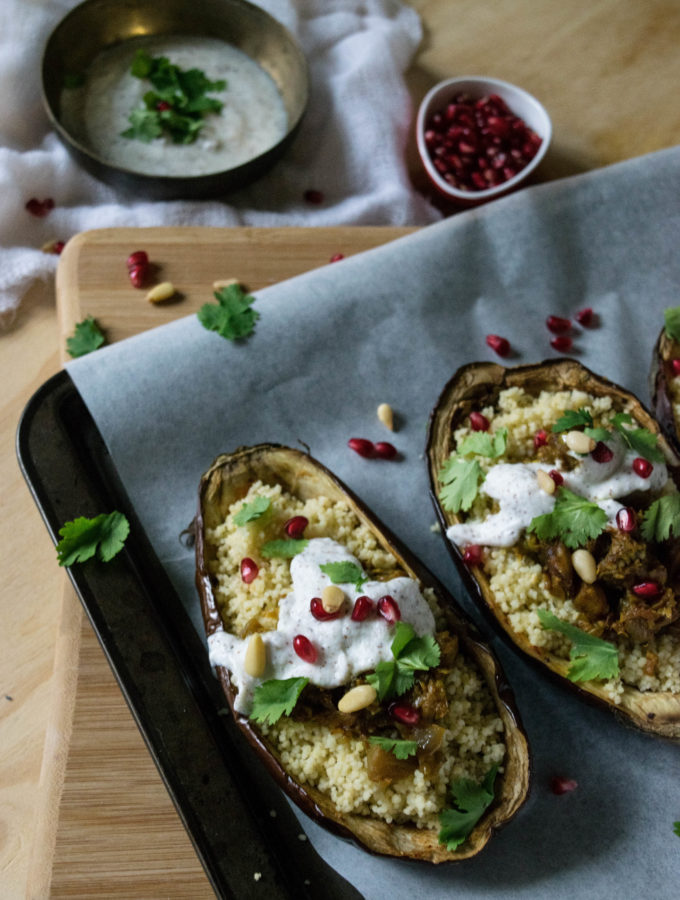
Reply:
x=479, y=138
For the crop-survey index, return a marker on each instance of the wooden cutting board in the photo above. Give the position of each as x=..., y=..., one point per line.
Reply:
x=106, y=825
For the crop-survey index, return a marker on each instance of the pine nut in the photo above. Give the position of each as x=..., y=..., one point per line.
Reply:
x=160, y=292
x=332, y=598
x=584, y=565
x=386, y=415
x=256, y=656
x=545, y=482
x=357, y=698
x=579, y=442
x=224, y=283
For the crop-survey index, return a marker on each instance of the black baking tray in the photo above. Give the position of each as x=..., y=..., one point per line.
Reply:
x=239, y=821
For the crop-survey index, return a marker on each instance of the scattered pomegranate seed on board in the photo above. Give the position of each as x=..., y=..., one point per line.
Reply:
x=385, y=450
x=585, y=317
x=557, y=324
x=363, y=447
x=562, y=343
x=337, y=257
x=39, y=208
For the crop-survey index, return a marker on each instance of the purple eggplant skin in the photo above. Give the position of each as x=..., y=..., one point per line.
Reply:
x=477, y=385
x=661, y=375
x=226, y=481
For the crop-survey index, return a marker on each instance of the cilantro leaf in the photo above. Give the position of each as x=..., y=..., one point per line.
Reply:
x=401, y=749
x=676, y=828
x=672, y=322
x=574, y=519
x=276, y=698
x=642, y=441
x=461, y=478
x=141, y=64
x=662, y=518
x=283, y=549
x=592, y=658
x=411, y=654
x=344, y=572
x=251, y=511
x=87, y=337
x=82, y=538
x=231, y=317
x=571, y=418
x=598, y=434
x=484, y=444
x=471, y=800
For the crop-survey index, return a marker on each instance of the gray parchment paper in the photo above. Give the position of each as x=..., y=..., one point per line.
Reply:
x=392, y=325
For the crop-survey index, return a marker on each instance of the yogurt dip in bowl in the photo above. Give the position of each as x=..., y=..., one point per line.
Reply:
x=226, y=94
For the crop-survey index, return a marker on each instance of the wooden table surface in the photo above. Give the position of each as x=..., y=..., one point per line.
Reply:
x=606, y=70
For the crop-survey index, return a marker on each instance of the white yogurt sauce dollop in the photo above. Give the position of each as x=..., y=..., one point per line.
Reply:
x=253, y=118
x=345, y=648
x=520, y=499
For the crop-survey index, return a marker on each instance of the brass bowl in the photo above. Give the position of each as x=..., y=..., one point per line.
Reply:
x=97, y=25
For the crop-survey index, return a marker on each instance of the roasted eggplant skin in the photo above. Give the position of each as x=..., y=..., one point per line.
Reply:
x=660, y=377
x=477, y=385
x=226, y=481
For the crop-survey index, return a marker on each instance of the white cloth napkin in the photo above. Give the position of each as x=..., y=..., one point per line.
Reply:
x=350, y=148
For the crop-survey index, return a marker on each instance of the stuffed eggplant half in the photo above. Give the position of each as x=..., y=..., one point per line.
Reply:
x=348, y=667
x=665, y=377
x=557, y=494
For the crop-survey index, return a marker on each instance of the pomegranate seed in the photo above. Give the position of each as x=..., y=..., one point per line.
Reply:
x=602, y=453
x=138, y=258
x=557, y=324
x=295, y=527
x=561, y=785
x=499, y=344
x=642, y=467
x=556, y=476
x=163, y=106
x=312, y=196
x=647, y=589
x=337, y=257
x=249, y=570
x=58, y=247
x=478, y=422
x=362, y=447
x=404, y=713
x=472, y=555
x=626, y=520
x=138, y=276
x=362, y=607
x=585, y=316
x=540, y=438
x=562, y=343
x=675, y=366
x=317, y=610
x=39, y=208
x=389, y=609
x=305, y=649
x=385, y=450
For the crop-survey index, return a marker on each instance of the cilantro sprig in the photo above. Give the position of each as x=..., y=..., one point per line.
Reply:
x=176, y=106
x=82, y=538
x=573, y=519
x=573, y=418
x=249, y=512
x=672, y=322
x=592, y=658
x=344, y=572
x=232, y=317
x=401, y=749
x=276, y=698
x=87, y=337
x=283, y=549
x=470, y=800
x=641, y=440
x=662, y=518
x=411, y=654
x=676, y=828
x=461, y=477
